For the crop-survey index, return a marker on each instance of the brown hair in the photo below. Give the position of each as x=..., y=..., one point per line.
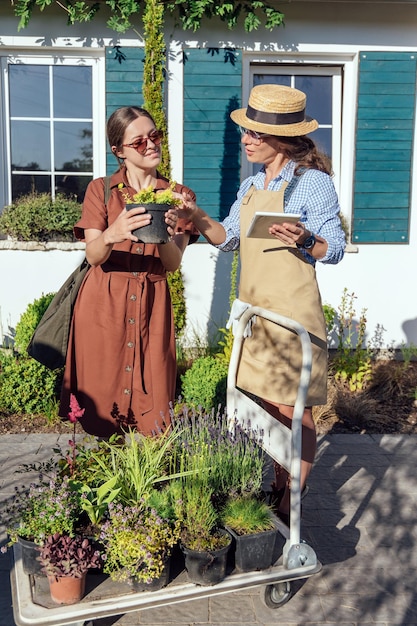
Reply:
x=119, y=120
x=304, y=152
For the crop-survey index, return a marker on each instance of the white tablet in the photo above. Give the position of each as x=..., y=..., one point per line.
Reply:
x=263, y=220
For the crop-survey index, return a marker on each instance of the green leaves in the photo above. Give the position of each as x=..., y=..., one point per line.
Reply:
x=190, y=13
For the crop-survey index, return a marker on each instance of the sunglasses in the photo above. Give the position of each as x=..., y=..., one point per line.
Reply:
x=256, y=137
x=141, y=145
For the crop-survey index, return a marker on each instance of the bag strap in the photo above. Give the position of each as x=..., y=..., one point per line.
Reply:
x=107, y=189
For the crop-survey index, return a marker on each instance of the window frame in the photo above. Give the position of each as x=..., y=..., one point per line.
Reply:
x=60, y=58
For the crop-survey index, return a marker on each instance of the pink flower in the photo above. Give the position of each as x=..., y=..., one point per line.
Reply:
x=76, y=411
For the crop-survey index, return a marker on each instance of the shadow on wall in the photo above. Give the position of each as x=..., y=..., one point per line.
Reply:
x=410, y=330
x=229, y=185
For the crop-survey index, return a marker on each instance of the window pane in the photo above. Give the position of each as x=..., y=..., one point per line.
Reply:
x=23, y=184
x=29, y=90
x=72, y=92
x=73, y=186
x=73, y=146
x=322, y=137
x=269, y=79
x=318, y=90
x=30, y=146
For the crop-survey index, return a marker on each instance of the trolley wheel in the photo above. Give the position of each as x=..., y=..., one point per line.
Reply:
x=276, y=595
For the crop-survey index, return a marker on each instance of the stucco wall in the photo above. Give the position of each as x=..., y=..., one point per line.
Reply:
x=381, y=276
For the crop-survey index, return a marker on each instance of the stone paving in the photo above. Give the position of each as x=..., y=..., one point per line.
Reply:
x=359, y=516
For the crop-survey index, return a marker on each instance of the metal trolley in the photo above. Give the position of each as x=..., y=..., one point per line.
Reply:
x=298, y=560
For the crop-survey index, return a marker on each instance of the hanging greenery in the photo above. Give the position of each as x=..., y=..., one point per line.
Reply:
x=190, y=14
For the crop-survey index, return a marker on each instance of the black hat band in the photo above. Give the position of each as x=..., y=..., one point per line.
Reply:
x=275, y=119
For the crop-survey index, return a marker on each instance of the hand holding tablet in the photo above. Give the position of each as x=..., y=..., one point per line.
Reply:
x=262, y=221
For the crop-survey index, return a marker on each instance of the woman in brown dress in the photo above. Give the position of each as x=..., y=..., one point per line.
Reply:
x=278, y=273
x=121, y=360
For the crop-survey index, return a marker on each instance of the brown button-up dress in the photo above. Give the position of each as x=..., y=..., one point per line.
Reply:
x=121, y=360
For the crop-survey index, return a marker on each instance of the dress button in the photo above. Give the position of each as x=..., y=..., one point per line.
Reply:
x=135, y=273
x=139, y=250
x=126, y=392
x=130, y=344
x=128, y=368
x=133, y=297
x=131, y=320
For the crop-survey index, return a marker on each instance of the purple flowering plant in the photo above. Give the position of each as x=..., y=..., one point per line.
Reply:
x=43, y=509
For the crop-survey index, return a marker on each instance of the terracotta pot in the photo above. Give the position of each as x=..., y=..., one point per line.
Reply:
x=156, y=231
x=67, y=589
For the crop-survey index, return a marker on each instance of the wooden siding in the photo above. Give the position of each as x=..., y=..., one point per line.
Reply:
x=212, y=89
x=384, y=147
x=124, y=81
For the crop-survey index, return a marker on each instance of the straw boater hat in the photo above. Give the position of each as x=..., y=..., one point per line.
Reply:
x=276, y=110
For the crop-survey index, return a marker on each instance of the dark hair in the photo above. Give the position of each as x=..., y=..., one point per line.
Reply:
x=304, y=152
x=119, y=120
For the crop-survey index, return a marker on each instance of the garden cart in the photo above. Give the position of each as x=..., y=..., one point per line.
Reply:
x=31, y=602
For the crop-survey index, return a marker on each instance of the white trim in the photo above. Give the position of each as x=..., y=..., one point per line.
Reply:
x=50, y=57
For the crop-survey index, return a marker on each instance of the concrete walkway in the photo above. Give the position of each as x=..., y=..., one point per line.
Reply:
x=359, y=516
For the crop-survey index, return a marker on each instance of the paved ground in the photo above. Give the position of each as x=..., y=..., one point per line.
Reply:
x=360, y=517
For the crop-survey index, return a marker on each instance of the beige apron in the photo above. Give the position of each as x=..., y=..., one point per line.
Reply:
x=277, y=277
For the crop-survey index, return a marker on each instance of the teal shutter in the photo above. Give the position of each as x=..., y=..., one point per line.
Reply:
x=124, y=79
x=384, y=147
x=212, y=89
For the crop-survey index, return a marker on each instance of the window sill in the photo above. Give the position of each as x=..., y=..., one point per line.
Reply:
x=30, y=246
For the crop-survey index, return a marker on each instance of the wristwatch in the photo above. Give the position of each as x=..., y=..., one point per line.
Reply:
x=308, y=243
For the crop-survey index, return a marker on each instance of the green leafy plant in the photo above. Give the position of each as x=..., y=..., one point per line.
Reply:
x=28, y=387
x=29, y=320
x=137, y=542
x=38, y=217
x=352, y=364
x=204, y=383
x=138, y=463
x=246, y=515
x=95, y=501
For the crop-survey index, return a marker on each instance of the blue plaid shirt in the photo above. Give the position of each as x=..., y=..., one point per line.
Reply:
x=314, y=198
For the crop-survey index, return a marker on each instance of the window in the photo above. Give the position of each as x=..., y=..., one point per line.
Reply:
x=322, y=86
x=49, y=126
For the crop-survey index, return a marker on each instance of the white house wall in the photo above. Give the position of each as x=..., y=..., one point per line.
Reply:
x=381, y=276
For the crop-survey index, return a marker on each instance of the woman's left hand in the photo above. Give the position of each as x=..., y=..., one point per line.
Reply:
x=171, y=219
x=290, y=233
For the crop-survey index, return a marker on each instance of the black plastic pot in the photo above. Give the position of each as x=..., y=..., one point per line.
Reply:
x=256, y=551
x=156, y=583
x=156, y=231
x=30, y=553
x=207, y=567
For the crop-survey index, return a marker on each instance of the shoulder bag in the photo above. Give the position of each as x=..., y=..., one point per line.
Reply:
x=49, y=342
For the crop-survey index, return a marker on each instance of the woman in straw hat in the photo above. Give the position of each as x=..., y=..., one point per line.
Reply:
x=278, y=272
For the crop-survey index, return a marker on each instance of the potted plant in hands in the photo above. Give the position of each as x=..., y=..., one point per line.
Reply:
x=66, y=561
x=157, y=204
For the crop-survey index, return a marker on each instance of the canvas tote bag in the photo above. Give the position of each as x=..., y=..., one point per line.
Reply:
x=49, y=342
